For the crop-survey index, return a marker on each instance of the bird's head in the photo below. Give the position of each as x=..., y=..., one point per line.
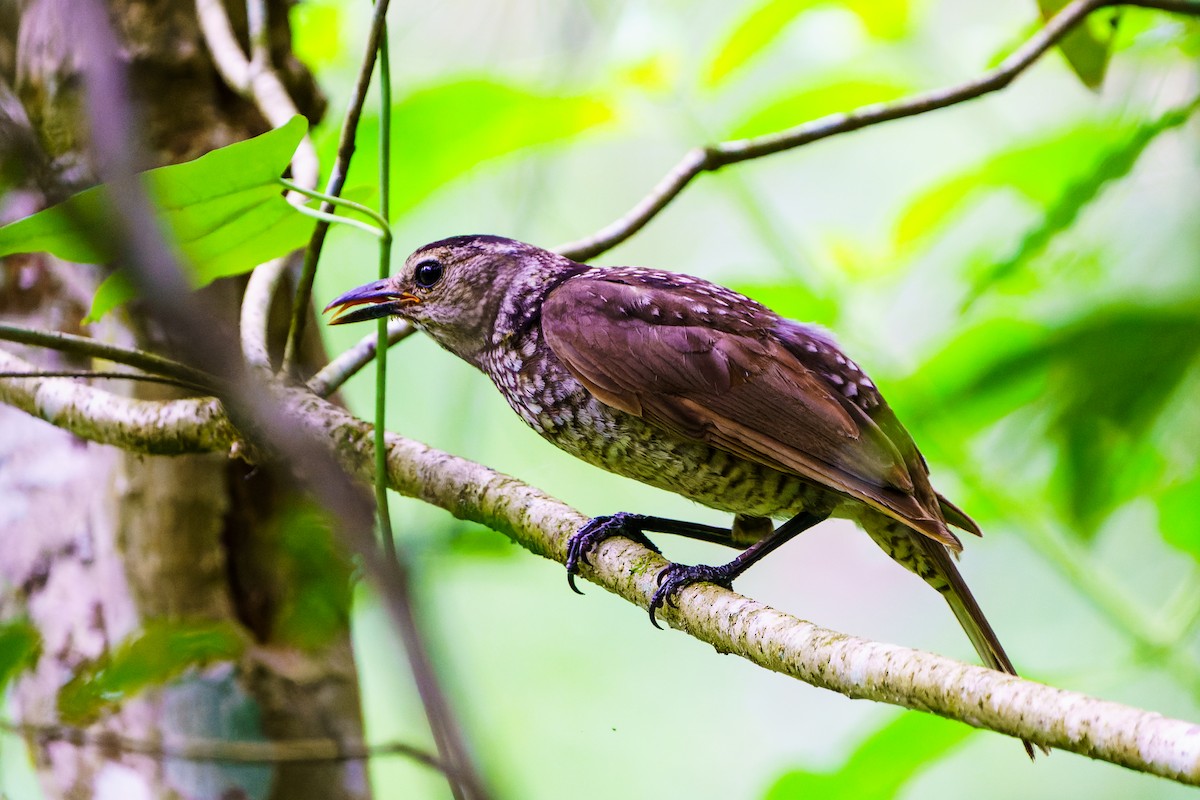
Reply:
x=464, y=292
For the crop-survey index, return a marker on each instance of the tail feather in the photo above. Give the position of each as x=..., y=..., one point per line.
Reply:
x=957, y=517
x=970, y=615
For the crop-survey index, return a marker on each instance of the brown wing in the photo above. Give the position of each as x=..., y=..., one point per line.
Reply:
x=699, y=365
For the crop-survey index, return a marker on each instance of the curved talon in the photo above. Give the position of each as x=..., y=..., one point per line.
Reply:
x=597, y=530
x=674, y=578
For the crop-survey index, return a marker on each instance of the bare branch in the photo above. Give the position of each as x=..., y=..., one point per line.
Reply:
x=256, y=314
x=341, y=369
x=731, y=623
x=714, y=157
x=142, y=426
x=88, y=374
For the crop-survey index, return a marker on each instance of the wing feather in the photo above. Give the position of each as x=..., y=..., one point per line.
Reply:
x=715, y=378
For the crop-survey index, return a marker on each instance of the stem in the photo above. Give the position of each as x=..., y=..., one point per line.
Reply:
x=337, y=179
x=381, y=329
x=329, y=218
x=366, y=211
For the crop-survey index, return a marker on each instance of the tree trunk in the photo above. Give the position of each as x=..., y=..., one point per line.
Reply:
x=101, y=546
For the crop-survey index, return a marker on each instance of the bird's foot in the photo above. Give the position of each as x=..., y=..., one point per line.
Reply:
x=598, y=530
x=674, y=578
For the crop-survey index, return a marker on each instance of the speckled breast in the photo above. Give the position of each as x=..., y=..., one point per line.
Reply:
x=556, y=405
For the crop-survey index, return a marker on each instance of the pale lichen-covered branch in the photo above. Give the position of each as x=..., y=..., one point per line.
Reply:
x=176, y=427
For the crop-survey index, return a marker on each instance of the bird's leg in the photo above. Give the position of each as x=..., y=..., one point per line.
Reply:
x=675, y=577
x=635, y=526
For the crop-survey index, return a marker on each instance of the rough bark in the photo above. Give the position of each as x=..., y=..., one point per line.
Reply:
x=98, y=541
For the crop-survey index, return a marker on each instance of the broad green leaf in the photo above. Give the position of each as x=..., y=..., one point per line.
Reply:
x=1036, y=170
x=1177, y=516
x=444, y=131
x=1059, y=174
x=883, y=19
x=1090, y=379
x=1087, y=48
x=161, y=652
x=882, y=764
x=817, y=101
x=223, y=212
x=20, y=646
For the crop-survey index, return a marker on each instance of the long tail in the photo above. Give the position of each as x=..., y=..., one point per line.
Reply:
x=967, y=611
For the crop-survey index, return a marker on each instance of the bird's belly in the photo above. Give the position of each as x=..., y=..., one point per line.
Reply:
x=628, y=445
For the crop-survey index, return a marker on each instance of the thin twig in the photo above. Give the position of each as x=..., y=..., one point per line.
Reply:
x=255, y=320
x=283, y=751
x=91, y=374
x=337, y=179
x=347, y=364
x=85, y=346
x=253, y=404
x=714, y=157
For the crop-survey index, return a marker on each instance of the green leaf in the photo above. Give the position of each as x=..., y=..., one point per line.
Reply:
x=816, y=101
x=1177, y=516
x=1036, y=170
x=1111, y=164
x=882, y=764
x=883, y=19
x=113, y=291
x=444, y=131
x=1059, y=174
x=223, y=212
x=162, y=651
x=1087, y=48
x=950, y=379
x=20, y=647
x=1091, y=379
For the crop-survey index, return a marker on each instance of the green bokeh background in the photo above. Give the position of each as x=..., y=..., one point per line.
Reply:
x=1020, y=275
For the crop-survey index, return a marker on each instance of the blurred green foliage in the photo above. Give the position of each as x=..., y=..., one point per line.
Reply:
x=766, y=22
x=20, y=646
x=1087, y=48
x=1020, y=274
x=315, y=579
x=881, y=765
x=162, y=651
x=224, y=211
x=445, y=130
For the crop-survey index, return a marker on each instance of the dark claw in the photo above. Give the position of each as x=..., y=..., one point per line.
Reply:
x=598, y=530
x=674, y=578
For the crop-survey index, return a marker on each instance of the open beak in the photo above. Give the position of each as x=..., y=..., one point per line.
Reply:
x=372, y=301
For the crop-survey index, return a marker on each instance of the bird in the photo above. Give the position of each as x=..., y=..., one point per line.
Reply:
x=686, y=385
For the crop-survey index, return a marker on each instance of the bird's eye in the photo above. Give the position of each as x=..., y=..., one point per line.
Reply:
x=427, y=274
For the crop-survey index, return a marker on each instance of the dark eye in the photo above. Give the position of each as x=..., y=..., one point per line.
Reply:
x=427, y=274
